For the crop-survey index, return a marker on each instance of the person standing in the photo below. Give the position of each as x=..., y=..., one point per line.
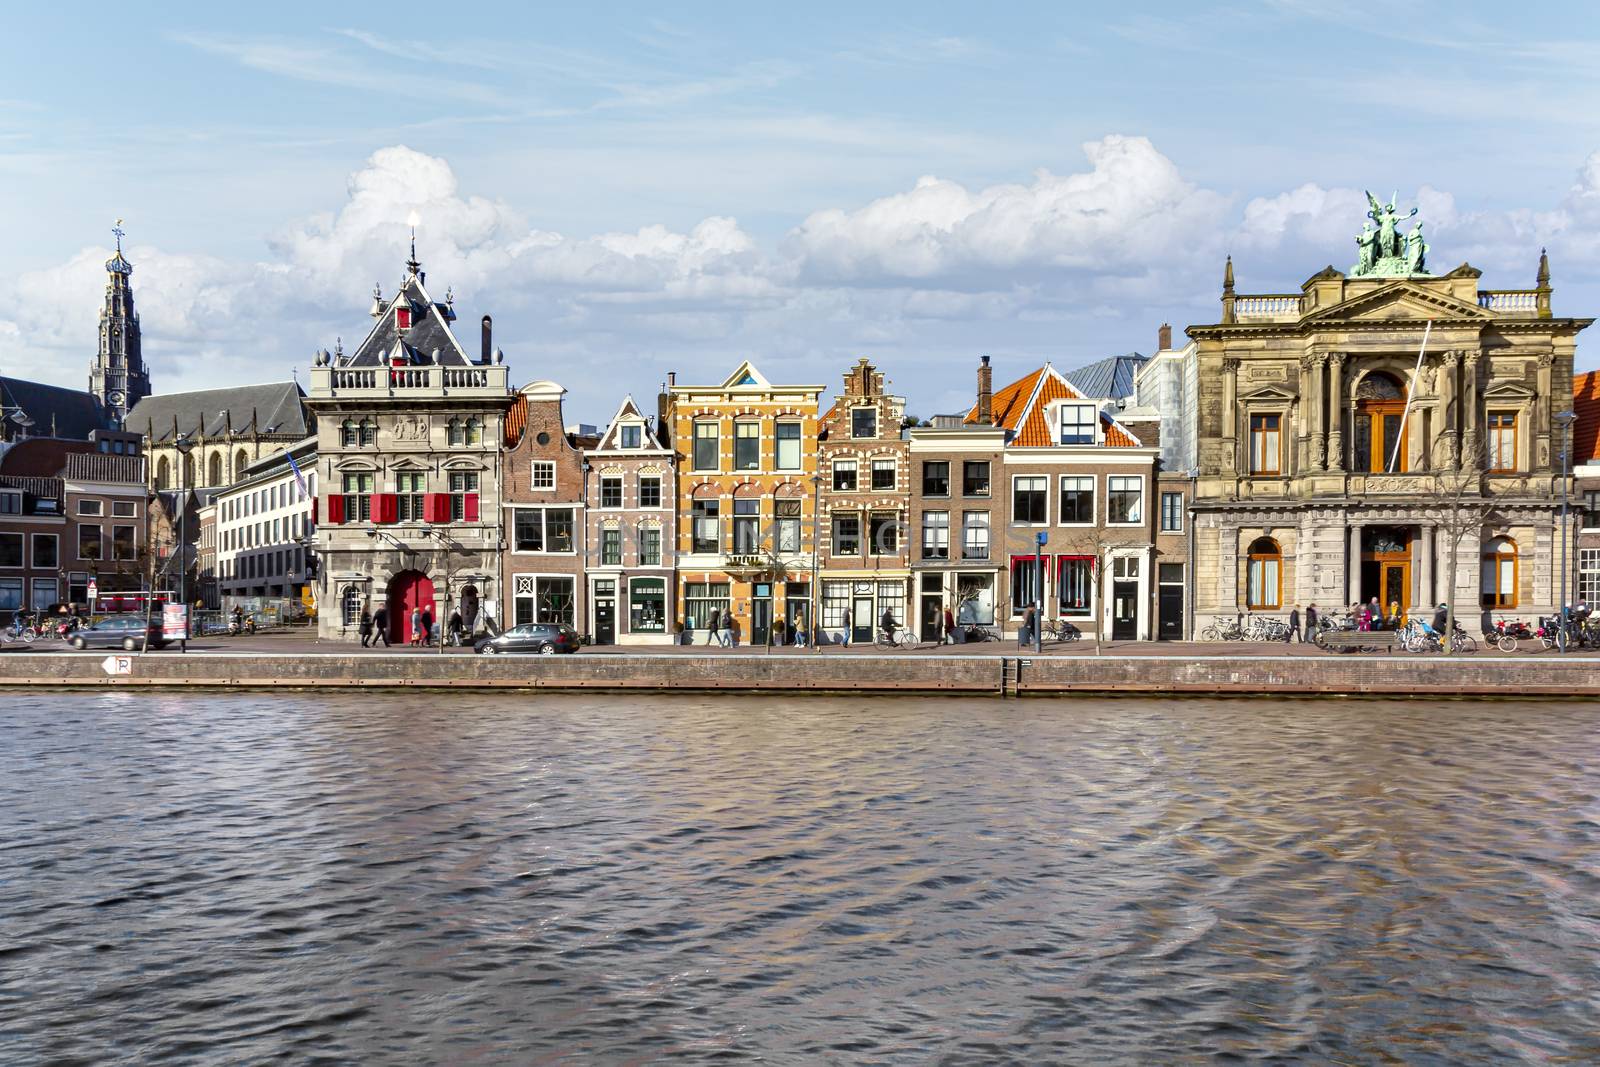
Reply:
x=416, y=626
x=380, y=626
x=711, y=626
x=365, y=627
x=1030, y=619
x=725, y=635
x=1311, y=623
x=1293, y=632
x=949, y=627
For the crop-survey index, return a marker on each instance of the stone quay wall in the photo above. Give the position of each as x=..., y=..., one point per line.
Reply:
x=996, y=676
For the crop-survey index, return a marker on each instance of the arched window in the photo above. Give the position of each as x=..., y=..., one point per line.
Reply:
x=214, y=469
x=369, y=432
x=1264, y=578
x=188, y=472
x=452, y=432
x=240, y=460
x=350, y=607
x=474, y=432
x=163, y=474
x=347, y=434
x=1498, y=588
x=1379, y=425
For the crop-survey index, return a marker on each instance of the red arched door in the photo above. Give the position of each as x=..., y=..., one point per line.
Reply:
x=408, y=590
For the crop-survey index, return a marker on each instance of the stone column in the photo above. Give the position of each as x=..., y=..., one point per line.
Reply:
x=1450, y=423
x=1425, y=590
x=1352, y=577
x=1230, y=412
x=1469, y=412
x=1319, y=413
x=1336, y=411
x=1539, y=444
x=1303, y=419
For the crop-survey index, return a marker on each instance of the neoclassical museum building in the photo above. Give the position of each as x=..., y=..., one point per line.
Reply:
x=409, y=468
x=1355, y=435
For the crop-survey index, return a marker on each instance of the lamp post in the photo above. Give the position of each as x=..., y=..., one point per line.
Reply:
x=816, y=554
x=1566, y=419
x=1038, y=611
x=184, y=446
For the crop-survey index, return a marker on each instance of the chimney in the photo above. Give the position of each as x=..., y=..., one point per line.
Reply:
x=1164, y=337
x=663, y=410
x=985, y=393
x=488, y=346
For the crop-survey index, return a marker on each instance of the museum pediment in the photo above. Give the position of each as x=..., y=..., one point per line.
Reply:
x=1401, y=301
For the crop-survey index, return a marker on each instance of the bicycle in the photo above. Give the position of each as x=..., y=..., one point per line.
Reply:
x=901, y=639
x=974, y=634
x=1061, y=630
x=1223, y=629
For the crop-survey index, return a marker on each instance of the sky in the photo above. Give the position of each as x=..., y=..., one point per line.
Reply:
x=633, y=189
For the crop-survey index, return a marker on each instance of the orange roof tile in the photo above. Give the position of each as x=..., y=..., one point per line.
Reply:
x=1007, y=405
x=1115, y=435
x=1013, y=411
x=516, y=420
x=1586, y=405
x=1035, y=432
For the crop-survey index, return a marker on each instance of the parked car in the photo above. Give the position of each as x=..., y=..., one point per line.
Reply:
x=543, y=637
x=129, y=632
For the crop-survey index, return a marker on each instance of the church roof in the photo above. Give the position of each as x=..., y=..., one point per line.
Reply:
x=56, y=412
x=1108, y=379
x=278, y=408
x=428, y=333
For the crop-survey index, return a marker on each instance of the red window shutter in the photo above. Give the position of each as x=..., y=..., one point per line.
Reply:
x=402, y=317
x=469, y=507
x=385, y=508
x=335, y=510
x=431, y=510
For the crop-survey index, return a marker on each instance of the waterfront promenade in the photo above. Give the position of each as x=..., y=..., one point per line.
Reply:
x=991, y=669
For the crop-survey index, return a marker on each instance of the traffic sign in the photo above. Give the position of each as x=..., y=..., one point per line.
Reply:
x=117, y=665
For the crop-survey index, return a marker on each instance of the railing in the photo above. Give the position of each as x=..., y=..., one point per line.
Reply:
x=355, y=379
x=1510, y=301
x=466, y=377
x=1271, y=306
x=392, y=381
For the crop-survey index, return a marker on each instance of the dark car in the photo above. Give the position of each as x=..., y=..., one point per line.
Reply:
x=546, y=638
x=130, y=632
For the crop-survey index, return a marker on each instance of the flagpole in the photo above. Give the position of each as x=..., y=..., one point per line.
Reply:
x=1405, y=412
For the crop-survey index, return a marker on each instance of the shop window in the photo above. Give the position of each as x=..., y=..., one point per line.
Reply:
x=700, y=599
x=1264, y=576
x=541, y=598
x=1075, y=585
x=1027, y=582
x=1498, y=588
x=835, y=604
x=647, y=605
x=975, y=599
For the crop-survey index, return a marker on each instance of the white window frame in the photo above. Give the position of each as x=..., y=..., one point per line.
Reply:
x=1076, y=410
x=1138, y=519
x=538, y=467
x=840, y=465
x=1045, y=478
x=1094, y=498
x=1162, y=526
x=867, y=409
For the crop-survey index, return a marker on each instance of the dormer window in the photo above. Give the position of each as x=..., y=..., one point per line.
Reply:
x=402, y=318
x=1078, y=424
x=632, y=436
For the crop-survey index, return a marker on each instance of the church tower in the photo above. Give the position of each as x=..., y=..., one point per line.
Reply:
x=118, y=377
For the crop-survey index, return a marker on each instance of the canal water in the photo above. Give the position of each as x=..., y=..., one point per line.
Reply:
x=456, y=878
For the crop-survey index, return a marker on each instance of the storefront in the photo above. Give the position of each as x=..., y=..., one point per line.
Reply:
x=856, y=605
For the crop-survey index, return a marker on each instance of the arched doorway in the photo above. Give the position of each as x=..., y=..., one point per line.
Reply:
x=408, y=590
x=469, y=608
x=1380, y=424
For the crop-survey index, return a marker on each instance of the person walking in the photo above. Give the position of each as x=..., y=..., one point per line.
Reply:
x=380, y=626
x=416, y=626
x=1030, y=619
x=725, y=635
x=1293, y=632
x=1311, y=623
x=365, y=627
x=455, y=627
x=949, y=627
x=711, y=626
x=849, y=627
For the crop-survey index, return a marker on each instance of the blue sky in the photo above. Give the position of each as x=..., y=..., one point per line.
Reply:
x=632, y=189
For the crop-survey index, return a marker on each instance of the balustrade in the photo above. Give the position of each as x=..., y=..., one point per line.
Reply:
x=1509, y=301
x=1275, y=306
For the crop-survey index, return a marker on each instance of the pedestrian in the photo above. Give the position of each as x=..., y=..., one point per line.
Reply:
x=380, y=626
x=1030, y=619
x=1293, y=632
x=1375, y=614
x=416, y=626
x=777, y=632
x=1441, y=619
x=725, y=635
x=456, y=627
x=1311, y=623
x=365, y=627
x=711, y=626
x=430, y=630
x=849, y=625
x=949, y=627
x=887, y=624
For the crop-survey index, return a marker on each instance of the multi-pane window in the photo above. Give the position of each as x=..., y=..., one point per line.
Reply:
x=701, y=600
x=935, y=535
x=1171, y=512
x=650, y=546
x=975, y=477
x=705, y=446
x=705, y=525
x=1077, y=500
x=847, y=534
x=650, y=491
x=844, y=475
x=883, y=534
x=1591, y=509
x=1589, y=575
x=883, y=475
x=542, y=529
x=1027, y=582
x=975, y=599
x=1264, y=444
x=835, y=603
x=124, y=509
x=1078, y=424
x=462, y=483
x=788, y=435
x=1264, y=575
x=90, y=545
x=746, y=446
x=863, y=422
x=611, y=547
x=352, y=434
x=357, y=496
x=935, y=477
x=544, y=474
x=409, y=485
x=1124, y=499
x=1028, y=499
x=788, y=532
x=611, y=491
x=1502, y=441
x=974, y=535
x=632, y=436
x=746, y=526
x=468, y=431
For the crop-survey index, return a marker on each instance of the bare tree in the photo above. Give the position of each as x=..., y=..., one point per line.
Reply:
x=1457, y=497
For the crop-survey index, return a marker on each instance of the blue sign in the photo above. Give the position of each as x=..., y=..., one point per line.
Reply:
x=1043, y=537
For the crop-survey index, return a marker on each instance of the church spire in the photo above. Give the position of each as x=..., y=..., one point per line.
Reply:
x=118, y=376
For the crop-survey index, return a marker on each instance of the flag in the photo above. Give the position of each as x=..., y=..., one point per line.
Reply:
x=299, y=478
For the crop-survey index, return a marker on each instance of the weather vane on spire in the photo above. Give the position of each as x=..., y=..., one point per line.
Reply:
x=117, y=229
x=413, y=219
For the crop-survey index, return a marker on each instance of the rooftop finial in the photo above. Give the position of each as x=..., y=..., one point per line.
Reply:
x=117, y=229
x=1543, y=280
x=411, y=264
x=1227, y=276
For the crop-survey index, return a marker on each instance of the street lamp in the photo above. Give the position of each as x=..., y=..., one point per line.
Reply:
x=816, y=553
x=1566, y=418
x=184, y=447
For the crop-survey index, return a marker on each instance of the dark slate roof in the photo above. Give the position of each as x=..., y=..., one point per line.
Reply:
x=1108, y=379
x=75, y=412
x=279, y=408
x=102, y=467
x=429, y=332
